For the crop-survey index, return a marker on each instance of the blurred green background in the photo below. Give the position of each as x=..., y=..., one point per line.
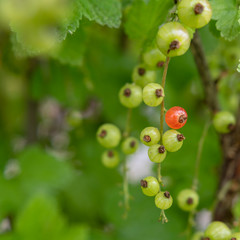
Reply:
x=52, y=182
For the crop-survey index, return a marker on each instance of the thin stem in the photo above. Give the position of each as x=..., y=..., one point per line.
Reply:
x=190, y=224
x=199, y=154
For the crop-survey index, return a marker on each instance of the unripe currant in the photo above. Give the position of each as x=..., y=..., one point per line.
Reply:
x=130, y=95
x=108, y=135
x=173, y=140
x=110, y=159
x=198, y=236
x=188, y=200
x=74, y=118
x=142, y=76
x=163, y=200
x=195, y=13
x=235, y=236
x=150, y=186
x=173, y=39
x=217, y=231
x=153, y=94
x=157, y=153
x=150, y=136
x=153, y=58
x=224, y=122
x=176, y=117
x=130, y=145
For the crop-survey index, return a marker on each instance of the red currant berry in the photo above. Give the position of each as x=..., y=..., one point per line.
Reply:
x=176, y=117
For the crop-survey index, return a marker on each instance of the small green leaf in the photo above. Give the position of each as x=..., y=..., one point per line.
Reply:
x=227, y=15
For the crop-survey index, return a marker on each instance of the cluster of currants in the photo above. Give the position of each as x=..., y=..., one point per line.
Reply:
x=217, y=231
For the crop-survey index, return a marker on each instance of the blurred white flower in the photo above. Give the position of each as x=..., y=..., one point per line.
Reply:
x=203, y=219
x=12, y=169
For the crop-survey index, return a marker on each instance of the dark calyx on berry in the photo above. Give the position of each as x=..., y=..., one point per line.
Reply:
x=160, y=64
x=198, y=9
x=161, y=149
x=159, y=93
x=127, y=92
x=147, y=138
x=233, y=239
x=132, y=144
x=144, y=183
x=231, y=127
x=190, y=201
x=110, y=154
x=180, y=137
x=103, y=134
x=174, y=45
x=141, y=71
x=182, y=118
x=167, y=194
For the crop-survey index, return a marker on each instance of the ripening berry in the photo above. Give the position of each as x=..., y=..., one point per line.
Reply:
x=153, y=94
x=130, y=145
x=235, y=236
x=157, y=153
x=130, y=95
x=74, y=118
x=173, y=39
x=150, y=136
x=176, y=117
x=224, y=122
x=163, y=200
x=108, y=135
x=217, y=231
x=188, y=200
x=150, y=186
x=110, y=159
x=194, y=13
x=154, y=58
x=142, y=76
x=173, y=140
x=198, y=236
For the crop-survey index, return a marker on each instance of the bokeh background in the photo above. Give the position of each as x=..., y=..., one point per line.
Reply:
x=52, y=182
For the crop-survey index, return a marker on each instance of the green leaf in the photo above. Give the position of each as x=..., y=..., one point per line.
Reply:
x=78, y=232
x=104, y=12
x=227, y=15
x=144, y=18
x=238, y=69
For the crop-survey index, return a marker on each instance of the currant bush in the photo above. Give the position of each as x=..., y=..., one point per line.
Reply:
x=150, y=136
x=176, y=117
x=108, y=135
x=153, y=94
x=163, y=200
x=110, y=158
x=188, y=200
x=157, y=153
x=130, y=145
x=150, y=186
x=153, y=58
x=173, y=140
x=224, y=122
x=217, y=231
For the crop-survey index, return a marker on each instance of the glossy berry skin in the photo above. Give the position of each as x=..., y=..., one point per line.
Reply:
x=224, y=122
x=110, y=159
x=157, y=153
x=142, y=75
x=108, y=135
x=176, y=117
x=172, y=140
x=163, y=200
x=173, y=39
x=188, y=200
x=130, y=95
x=217, y=231
x=198, y=236
x=153, y=58
x=74, y=118
x=194, y=13
x=130, y=145
x=153, y=94
x=150, y=186
x=150, y=136
x=235, y=236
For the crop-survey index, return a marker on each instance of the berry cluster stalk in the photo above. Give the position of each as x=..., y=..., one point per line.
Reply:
x=163, y=217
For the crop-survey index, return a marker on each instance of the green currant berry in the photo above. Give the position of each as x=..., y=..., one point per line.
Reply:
x=173, y=39
x=195, y=13
x=224, y=122
x=74, y=118
x=108, y=135
x=150, y=186
x=235, y=236
x=217, y=231
x=130, y=145
x=188, y=200
x=198, y=236
x=173, y=140
x=110, y=158
x=163, y=200
x=157, y=153
x=150, y=136
x=154, y=58
x=142, y=76
x=153, y=94
x=130, y=95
